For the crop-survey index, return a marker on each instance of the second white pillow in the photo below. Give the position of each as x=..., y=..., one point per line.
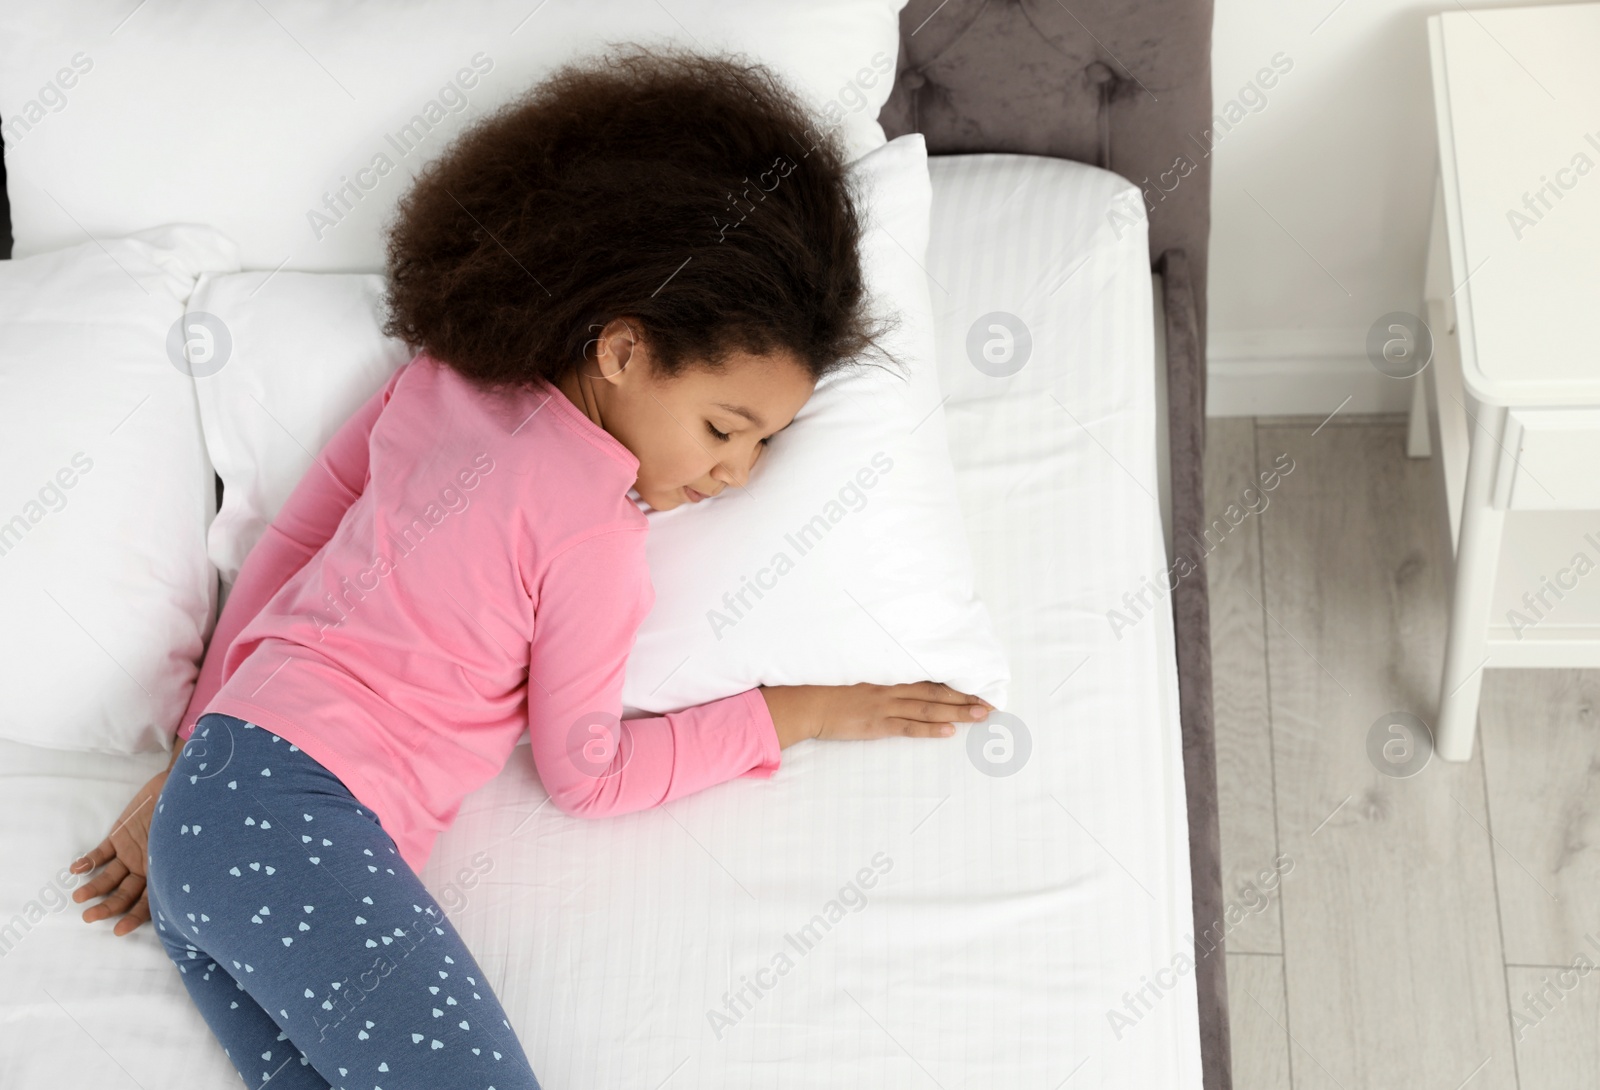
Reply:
x=845, y=559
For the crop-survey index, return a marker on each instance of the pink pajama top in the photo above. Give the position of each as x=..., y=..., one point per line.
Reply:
x=458, y=567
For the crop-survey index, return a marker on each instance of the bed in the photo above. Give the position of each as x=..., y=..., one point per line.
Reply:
x=950, y=928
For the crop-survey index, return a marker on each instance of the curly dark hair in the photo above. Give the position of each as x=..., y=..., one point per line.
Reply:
x=691, y=195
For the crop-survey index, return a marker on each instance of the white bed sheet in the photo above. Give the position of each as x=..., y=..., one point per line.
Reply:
x=1012, y=914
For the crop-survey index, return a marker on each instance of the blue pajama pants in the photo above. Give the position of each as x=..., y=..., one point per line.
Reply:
x=313, y=951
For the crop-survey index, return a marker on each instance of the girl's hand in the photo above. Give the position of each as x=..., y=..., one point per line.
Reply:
x=122, y=853
x=922, y=709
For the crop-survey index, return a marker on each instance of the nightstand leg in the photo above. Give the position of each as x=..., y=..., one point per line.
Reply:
x=1417, y=445
x=1477, y=560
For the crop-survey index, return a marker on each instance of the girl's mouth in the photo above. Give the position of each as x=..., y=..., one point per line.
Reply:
x=694, y=497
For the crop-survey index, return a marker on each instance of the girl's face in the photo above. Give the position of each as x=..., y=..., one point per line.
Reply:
x=695, y=434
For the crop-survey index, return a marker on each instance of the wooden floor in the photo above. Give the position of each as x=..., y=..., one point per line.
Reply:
x=1427, y=928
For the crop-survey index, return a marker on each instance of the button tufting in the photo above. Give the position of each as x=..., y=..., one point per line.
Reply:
x=913, y=79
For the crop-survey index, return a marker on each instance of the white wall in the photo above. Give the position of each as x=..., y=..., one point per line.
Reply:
x=1320, y=199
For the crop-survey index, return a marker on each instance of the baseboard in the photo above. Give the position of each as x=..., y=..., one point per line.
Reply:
x=1297, y=374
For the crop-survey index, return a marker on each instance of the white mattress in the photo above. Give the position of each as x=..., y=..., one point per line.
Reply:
x=1016, y=912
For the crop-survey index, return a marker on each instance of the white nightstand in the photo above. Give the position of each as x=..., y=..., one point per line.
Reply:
x=1511, y=401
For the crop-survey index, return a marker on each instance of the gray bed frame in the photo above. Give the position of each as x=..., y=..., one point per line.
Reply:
x=1124, y=86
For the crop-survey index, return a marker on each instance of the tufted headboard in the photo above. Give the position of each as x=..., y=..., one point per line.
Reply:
x=1125, y=85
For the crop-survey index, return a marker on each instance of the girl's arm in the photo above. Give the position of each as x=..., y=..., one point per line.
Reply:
x=304, y=524
x=590, y=604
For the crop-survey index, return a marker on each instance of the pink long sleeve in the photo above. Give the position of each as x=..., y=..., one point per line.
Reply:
x=593, y=598
x=472, y=573
x=302, y=526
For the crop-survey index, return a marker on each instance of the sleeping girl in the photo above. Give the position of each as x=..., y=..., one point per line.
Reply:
x=593, y=337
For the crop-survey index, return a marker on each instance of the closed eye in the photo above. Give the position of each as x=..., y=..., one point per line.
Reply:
x=722, y=437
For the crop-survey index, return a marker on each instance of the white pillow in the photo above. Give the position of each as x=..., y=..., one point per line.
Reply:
x=885, y=595
x=845, y=559
x=105, y=492
x=288, y=130
x=305, y=353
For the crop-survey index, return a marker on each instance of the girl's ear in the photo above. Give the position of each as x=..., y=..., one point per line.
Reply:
x=619, y=350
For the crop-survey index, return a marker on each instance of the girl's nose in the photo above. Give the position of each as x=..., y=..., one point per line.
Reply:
x=733, y=476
